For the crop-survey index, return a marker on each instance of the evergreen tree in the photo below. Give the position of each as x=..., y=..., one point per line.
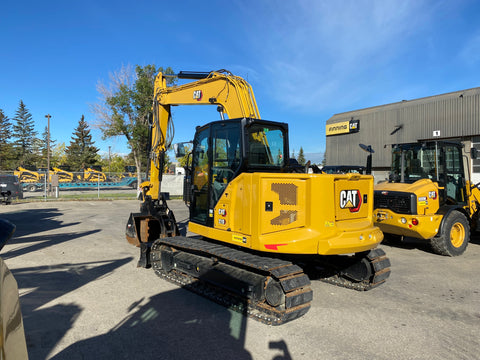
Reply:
x=81, y=152
x=301, y=157
x=6, y=154
x=42, y=145
x=24, y=135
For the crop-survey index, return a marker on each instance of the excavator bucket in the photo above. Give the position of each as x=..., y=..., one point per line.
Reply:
x=143, y=228
x=150, y=224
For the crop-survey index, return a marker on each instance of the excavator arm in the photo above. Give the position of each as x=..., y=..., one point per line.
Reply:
x=232, y=94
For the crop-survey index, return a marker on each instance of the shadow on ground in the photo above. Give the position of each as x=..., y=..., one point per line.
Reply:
x=32, y=221
x=46, y=326
x=171, y=325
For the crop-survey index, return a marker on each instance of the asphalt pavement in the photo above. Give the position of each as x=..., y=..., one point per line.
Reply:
x=83, y=297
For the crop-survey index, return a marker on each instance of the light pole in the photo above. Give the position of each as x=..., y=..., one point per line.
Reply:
x=48, y=116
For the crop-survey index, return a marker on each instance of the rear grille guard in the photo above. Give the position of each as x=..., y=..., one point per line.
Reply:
x=399, y=202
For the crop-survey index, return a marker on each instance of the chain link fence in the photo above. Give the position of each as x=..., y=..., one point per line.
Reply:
x=64, y=184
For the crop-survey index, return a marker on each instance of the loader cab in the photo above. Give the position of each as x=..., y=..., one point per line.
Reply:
x=439, y=161
x=224, y=149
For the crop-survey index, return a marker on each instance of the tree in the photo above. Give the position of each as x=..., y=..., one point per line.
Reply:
x=42, y=144
x=81, y=152
x=6, y=151
x=125, y=107
x=24, y=135
x=113, y=163
x=182, y=162
x=166, y=163
x=301, y=157
x=58, y=155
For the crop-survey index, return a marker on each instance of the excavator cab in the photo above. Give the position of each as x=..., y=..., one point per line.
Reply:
x=224, y=149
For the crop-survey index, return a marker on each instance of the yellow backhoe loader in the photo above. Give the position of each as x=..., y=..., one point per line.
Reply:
x=429, y=196
x=259, y=224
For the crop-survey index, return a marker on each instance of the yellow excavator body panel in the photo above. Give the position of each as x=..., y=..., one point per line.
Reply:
x=296, y=214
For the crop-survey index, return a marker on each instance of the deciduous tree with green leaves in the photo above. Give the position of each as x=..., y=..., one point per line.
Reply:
x=182, y=162
x=125, y=106
x=58, y=155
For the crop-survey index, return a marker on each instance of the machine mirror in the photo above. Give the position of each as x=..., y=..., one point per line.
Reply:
x=180, y=149
x=473, y=153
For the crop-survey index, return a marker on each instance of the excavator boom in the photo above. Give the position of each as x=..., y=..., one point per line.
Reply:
x=232, y=94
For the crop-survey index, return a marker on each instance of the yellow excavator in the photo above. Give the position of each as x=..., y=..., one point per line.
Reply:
x=429, y=196
x=259, y=224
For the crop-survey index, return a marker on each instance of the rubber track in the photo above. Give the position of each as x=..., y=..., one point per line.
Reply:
x=295, y=283
x=380, y=266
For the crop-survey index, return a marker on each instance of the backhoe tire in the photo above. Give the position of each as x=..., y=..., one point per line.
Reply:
x=454, y=239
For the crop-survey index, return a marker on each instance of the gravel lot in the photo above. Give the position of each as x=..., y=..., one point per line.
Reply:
x=83, y=297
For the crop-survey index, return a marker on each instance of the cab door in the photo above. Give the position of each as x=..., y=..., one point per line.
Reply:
x=454, y=175
x=217, y=159
x=200, y=176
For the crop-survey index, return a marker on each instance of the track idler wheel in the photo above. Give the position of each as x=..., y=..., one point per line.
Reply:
x=359, y=271
x=362, y=272
x=274, y=294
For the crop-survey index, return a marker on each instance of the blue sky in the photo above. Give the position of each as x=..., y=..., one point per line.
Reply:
x=306, y=60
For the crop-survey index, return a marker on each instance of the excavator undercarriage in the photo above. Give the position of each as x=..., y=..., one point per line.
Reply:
x=267, y=289
x=271, y=290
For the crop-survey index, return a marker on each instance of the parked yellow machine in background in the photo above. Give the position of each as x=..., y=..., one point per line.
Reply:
x=94, y=173
x=29, y=174
x=429, y=196
x=260, y=223
x=64, y=174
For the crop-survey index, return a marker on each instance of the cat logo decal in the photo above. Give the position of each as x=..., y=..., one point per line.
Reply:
x=351, y=200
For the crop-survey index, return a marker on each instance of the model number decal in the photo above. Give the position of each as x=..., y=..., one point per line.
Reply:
x=351, y=200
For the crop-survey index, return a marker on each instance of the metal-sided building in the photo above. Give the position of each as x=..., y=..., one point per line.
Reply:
x=453, y=116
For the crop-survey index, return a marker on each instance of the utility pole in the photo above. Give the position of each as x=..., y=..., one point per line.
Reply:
x=48, y=116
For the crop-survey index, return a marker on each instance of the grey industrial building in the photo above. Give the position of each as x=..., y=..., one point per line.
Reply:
x=453, y=116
